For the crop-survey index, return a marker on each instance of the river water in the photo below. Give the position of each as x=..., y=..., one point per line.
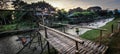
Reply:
x=96, y=24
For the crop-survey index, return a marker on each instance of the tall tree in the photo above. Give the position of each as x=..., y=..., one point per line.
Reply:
x=78, y=9
x=18, y=4
x=62, y=15
x=116, y=13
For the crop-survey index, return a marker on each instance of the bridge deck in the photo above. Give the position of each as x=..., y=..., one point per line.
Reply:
x=65, y=45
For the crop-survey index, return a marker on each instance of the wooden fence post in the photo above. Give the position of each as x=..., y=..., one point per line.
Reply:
x=118, y=26
x=47, y=41
x=100, y=36
x=40, y=40
x=112, y=28
x=64, y=29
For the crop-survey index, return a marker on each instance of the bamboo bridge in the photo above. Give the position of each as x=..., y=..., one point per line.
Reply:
x=63, y=43
x=68, y=44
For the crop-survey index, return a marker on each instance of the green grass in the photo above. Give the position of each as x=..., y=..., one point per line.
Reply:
x=94, y=34
x=16, y=26
x=8, y=27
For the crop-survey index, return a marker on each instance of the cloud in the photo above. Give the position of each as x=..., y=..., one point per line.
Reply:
x=111, y=4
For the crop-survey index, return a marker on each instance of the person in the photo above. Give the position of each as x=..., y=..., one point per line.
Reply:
x=23, y=39
x=77, y=31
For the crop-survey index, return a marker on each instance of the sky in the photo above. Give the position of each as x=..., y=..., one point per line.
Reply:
x=69, y=4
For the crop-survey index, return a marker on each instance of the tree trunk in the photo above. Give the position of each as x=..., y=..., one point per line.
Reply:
x=4, y=21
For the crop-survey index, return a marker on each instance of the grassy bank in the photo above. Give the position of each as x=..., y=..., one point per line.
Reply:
x=94, y=34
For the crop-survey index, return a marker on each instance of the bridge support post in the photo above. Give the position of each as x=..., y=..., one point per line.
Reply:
x=100, y=36
x=40, y=40
x=30, y=39
x=76, y=47
x=118, y=26
x=64, y=29
x=47, y=41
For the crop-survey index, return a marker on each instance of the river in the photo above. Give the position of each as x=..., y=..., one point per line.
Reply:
x=96, y=24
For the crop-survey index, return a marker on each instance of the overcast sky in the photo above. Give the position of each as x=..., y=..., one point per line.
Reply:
x=68, y=4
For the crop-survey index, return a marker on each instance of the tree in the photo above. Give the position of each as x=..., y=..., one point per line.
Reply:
x=94, y=9
x=31, y=17
x=83, y=16
x=3, y=4
x=110, y=13
x=116, y=13
x=78, y=9
x=6, y=17
x=18, y=4
x=62, y=15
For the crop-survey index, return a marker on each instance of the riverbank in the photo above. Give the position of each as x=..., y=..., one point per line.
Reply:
x=96, y=24
x=94, y=34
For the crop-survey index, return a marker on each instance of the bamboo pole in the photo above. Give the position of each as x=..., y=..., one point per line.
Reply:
x=47, y=41
x=76, y=47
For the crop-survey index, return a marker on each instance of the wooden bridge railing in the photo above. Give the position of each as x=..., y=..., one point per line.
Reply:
x=70, y=37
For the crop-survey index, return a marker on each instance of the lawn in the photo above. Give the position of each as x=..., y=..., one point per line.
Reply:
x=94, y=34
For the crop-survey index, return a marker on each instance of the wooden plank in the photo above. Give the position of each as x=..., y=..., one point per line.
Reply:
x=92, y=46
x=63, y=46
x=89, y=44
x=105, y=50
x=86, y=43
x=63, y=39
x=100, y=47
x=84, y=52
x=70, y=49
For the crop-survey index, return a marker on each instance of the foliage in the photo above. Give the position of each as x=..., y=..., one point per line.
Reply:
x=78, y=9
x=80, y=14
x=6, y=17
x=116, y=13
x=62, y=15
x=94, y=8
x=18, y=4
x=8, y=27
x=43, y=5
x=85, y=16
